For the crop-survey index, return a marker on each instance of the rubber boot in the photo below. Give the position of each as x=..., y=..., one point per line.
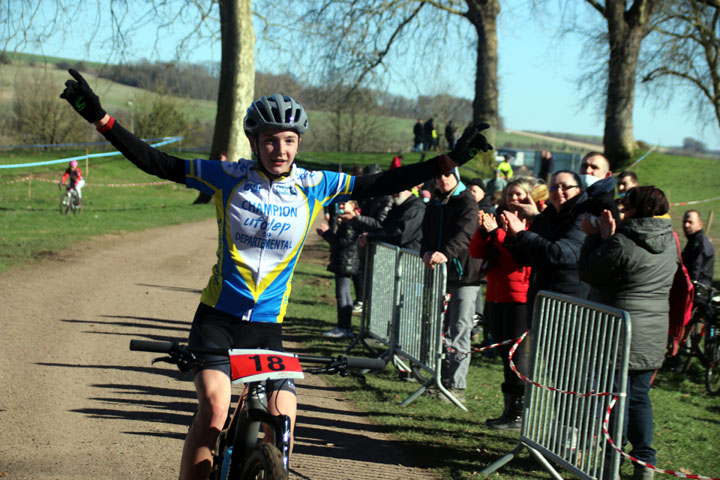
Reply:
x=513, y=421
x=504, y=415
x=642, y=473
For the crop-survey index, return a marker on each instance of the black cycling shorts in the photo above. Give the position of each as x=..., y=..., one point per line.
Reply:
x=212, y=328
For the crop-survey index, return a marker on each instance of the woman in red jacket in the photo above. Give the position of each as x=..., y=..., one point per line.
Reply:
x=506, y=295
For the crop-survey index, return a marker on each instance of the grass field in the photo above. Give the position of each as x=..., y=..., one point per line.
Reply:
x=24, y=205
x=458, y=443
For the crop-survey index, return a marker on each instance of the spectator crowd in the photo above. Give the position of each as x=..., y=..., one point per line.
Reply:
x=587, y=233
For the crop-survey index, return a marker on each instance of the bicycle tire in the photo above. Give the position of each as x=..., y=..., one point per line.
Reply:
x=77, y=204
x=64, y=204
x=712, y=356
x=263, y=463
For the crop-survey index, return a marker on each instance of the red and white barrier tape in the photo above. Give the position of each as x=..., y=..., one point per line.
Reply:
x=606, y=421
x=694, y=202
x=552, y=389
x=518, y=341
x=494, y=345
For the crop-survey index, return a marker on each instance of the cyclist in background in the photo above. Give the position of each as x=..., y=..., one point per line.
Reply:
x=265, y=208
x=73, y=175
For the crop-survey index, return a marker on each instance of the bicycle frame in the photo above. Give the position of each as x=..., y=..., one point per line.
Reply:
x=70, y=200
x=252, y=367
x=251, y=411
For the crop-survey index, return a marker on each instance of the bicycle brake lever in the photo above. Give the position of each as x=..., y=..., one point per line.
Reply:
x=183, y=364
x=163, y=359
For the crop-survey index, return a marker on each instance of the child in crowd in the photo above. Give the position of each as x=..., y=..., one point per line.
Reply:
x=344, y=263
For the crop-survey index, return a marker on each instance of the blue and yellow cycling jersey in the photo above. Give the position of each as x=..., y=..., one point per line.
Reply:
x=262, y=226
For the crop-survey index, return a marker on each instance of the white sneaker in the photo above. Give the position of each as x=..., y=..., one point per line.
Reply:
x=338, y=333
x=357, y=307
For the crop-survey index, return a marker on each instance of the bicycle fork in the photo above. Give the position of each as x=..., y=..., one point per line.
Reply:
x=242, y=436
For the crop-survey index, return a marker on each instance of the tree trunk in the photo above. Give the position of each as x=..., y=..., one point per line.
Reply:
x=237, y=78
x=483, y=15
x=626, y=30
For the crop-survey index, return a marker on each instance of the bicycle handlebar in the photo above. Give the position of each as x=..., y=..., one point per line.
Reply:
x=339, y=361
x=150, y=346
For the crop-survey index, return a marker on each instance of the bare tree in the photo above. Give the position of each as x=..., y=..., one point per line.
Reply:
x=237, y=77
x=627, y=26
x=353, y=39
x=687, y=50
x=40, y=118
x=236, y=31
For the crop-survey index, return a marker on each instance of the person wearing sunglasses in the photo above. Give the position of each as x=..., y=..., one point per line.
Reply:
x=551, y=245
x=449, y=223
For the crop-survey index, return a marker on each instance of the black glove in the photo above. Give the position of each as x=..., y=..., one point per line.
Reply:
x=82, y=98
x=470, y=144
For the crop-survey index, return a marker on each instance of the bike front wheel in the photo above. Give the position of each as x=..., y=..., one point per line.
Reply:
x=263, y=463
x=65, y=204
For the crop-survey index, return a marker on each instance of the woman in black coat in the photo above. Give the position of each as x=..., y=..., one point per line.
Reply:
x=551, y=246
x=631, y=266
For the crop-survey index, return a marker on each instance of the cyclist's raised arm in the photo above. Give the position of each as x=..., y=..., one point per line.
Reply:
x=408, y=176
x=150, y=160
x=396, y=180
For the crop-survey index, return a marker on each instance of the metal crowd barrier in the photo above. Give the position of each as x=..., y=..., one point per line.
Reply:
x=403, y=310
x=580, y=353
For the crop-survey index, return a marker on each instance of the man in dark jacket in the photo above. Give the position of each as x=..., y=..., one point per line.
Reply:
x=450, y=130
x=403, y=225
x=698, y=254
x=428, y=130
x=418, y=135
x=599, y=185
x=450, y=222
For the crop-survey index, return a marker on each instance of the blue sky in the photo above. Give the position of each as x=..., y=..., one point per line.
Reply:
x=538, y=76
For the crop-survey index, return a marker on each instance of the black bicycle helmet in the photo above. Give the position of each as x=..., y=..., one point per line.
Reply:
x=275, y=111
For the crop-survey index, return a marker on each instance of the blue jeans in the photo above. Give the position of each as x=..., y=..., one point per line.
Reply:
x=343, y=297
x=638, y=422
x=638, y=425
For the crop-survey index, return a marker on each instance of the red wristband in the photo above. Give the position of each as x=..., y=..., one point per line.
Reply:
x=107, y=126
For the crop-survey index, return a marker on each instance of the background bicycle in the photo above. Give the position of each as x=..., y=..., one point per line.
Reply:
x=701, y=339
x=242, y=450
x=70, y=200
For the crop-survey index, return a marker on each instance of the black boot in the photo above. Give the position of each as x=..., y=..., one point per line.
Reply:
x=512, y=421
x=504, y=415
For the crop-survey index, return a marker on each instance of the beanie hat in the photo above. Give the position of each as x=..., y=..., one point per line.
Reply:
x=456, y=172
x=477, y=182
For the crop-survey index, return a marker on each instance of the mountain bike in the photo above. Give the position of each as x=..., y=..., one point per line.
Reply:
x=240, y=452
x=702, y=338
x=70, y=200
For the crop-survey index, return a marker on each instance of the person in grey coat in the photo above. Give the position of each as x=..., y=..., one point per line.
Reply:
x=631, y=266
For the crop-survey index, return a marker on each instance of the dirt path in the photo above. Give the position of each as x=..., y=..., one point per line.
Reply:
x=75, y=403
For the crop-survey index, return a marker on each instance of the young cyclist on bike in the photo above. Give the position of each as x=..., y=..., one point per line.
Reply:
x=73, y=175
x=265, y=208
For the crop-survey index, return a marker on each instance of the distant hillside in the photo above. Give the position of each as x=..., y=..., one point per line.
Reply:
x=384, y=133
